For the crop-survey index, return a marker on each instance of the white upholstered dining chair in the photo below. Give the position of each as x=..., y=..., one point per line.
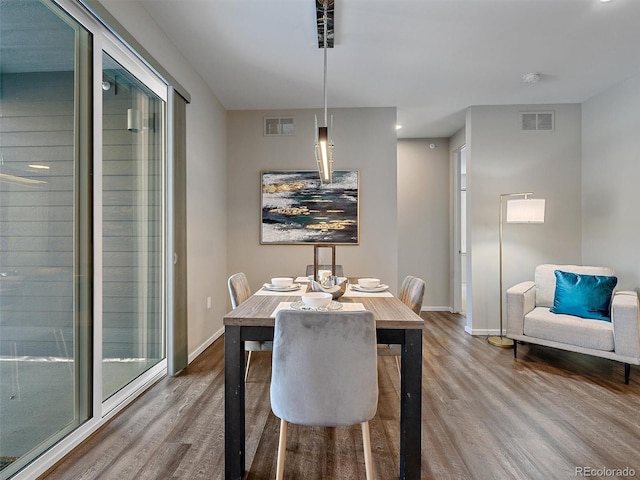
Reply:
x=324, y=373
x=411, y=294
x=239, y=291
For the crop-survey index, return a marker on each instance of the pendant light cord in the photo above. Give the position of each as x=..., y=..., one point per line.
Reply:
x=325, y=21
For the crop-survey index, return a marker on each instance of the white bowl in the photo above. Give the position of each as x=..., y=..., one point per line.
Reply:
x=316, y=299
x=368, y=282
x=282, y=282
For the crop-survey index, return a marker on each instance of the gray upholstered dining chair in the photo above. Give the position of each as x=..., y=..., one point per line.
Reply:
x=324, y=373
x=239, y=291
x=338, y=273
x=411, y=294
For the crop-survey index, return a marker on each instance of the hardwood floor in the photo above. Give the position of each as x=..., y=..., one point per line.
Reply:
x=485, y=416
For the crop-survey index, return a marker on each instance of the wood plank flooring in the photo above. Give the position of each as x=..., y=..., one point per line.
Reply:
x=485, y=416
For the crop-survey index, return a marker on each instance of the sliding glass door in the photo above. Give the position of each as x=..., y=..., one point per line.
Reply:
x=82, y=229
x=45, y=297
x=133, y=329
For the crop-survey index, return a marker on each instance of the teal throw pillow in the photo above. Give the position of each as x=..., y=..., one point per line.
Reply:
x=586, y=296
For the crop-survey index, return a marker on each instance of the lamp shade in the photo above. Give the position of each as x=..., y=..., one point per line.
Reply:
x=525, y=210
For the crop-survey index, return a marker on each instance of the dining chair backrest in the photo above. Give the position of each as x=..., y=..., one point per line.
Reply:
x=412, y=293
x=239, y=289
x=338, y=273
x=324, y=368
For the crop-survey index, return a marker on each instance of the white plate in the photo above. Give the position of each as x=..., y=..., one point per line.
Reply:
x=299, y=305
x=290, y=288
x=380, y=288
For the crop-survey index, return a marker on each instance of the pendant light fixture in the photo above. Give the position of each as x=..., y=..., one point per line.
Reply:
x=324, y=143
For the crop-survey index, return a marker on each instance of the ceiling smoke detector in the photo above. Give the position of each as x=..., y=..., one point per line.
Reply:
x=531, y=78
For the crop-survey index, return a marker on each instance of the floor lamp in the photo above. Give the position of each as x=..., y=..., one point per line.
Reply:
x=519, y=210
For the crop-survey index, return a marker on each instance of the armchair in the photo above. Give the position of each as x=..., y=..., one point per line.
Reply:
x=531, y=318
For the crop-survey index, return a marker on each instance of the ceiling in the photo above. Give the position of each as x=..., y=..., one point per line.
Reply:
x=429, y=58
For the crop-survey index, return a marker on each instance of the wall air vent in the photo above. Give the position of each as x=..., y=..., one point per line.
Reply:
x=275, y=126
x=537, y=121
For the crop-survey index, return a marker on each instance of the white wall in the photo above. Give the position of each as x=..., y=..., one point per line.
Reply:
x=365, y=140
x=206, y=177
x=610, y=176
x=503, y=159
x=458, y=140
x=423, y=217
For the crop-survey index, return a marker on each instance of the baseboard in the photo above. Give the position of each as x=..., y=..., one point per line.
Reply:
x=481, y=332
x=193, y=355
x=436, y=309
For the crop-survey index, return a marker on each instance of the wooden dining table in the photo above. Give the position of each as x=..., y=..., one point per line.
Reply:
x=395, y=324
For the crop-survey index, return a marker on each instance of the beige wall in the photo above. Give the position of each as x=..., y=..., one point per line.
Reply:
x=226, y=152
x=365, y=140
x=610, y=174
x=206, y=178
x=503, y=159
x=423, y=217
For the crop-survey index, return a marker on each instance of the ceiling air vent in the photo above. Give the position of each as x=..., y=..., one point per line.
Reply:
x=274, y=126
x=537, y=121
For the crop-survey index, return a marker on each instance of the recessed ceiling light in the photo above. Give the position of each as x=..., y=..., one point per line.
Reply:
x=605, y=1
x=398, y=127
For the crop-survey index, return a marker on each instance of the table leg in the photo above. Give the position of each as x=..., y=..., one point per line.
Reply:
x=411, y=406
x=234, y=422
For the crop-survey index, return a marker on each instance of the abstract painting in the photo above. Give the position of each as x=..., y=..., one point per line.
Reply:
x=298, y=208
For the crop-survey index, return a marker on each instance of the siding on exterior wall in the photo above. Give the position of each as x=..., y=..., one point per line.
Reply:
x=131, y=240
x=36, y=221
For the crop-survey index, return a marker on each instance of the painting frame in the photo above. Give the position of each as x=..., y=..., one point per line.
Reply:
x=297, y=209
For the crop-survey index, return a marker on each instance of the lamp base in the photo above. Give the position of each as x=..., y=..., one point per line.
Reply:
x=503, y=342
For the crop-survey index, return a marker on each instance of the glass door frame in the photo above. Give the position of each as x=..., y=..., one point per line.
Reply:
x=81, y=252
x=106, y=40
x=460, y=263
x=107, y=44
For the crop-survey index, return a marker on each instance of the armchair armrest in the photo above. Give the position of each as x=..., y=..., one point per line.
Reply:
x=521, y=299
x=626, y=324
